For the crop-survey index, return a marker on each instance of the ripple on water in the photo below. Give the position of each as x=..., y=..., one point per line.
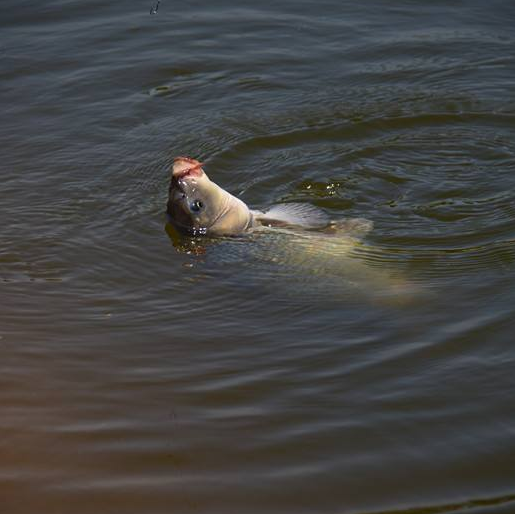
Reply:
x=143, y=372
x=434, y=184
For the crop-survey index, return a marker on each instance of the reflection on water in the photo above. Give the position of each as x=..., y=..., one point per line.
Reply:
x=188, y=245
x=144, y=371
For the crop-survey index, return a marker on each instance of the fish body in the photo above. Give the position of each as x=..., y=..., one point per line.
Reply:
x=293, y=236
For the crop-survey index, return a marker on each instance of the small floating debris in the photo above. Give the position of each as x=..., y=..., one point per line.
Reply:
x=160, y=91
x=155, y=8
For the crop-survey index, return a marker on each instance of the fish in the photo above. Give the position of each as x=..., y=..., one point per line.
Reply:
x=301, y=239
x=198, y=206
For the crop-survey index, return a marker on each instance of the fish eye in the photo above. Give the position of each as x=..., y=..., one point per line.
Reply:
x=196, y=205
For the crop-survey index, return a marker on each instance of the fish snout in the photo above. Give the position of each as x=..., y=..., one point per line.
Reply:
x=185, y=167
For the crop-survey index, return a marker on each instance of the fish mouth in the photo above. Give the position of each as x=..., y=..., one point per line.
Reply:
x=185, y=167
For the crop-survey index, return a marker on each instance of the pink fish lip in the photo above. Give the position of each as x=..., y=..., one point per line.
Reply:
x=189, y=172
x=186, y=167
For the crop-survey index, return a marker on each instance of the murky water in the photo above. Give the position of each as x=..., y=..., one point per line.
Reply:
x=145, y=373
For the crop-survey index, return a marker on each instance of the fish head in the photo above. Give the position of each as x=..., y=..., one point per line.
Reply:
x=192, y=201
x=198, y=206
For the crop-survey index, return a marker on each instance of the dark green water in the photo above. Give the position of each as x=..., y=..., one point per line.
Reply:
x=144, y=374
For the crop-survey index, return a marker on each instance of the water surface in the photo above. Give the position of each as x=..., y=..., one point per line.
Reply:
x=144, y=373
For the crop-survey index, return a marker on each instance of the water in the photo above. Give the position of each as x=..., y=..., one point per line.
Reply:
x=142, y=373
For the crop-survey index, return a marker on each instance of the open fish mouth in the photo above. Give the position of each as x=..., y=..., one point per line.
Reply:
x=190, y=172
x=185, y=167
